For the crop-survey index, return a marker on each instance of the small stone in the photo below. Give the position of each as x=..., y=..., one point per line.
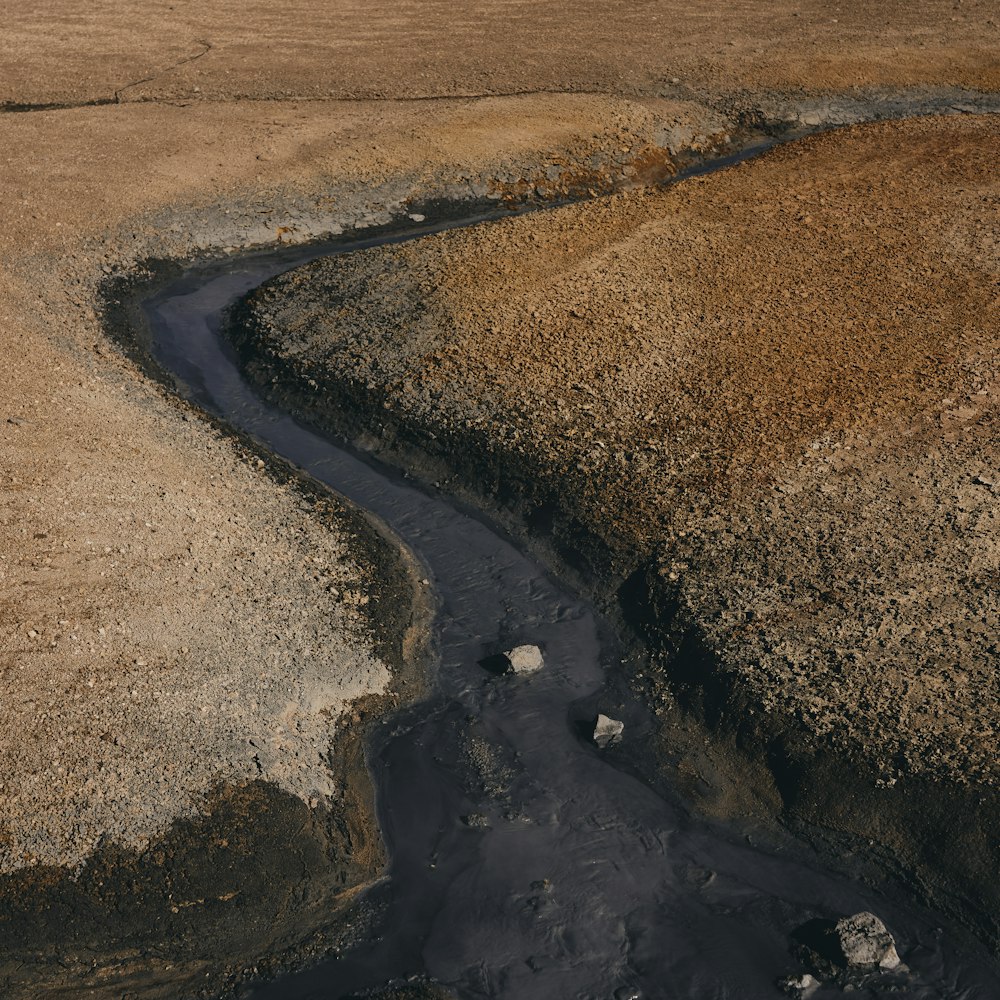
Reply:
x=524, y=659
x=416, y=217
x=477, y=821
x=802, y=986
x=607, y=731
x=865, y=941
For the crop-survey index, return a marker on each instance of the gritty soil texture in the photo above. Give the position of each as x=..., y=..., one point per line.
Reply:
x=232, y=884
x=210, y=50
x=258, y=880
x=167, y=595
x=763, y=404
x=178, y=622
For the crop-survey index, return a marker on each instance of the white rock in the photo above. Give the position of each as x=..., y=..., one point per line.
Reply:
x=607, y=731
x=417, y=217
x=524, y=659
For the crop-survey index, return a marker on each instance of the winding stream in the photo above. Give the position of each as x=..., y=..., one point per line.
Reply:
x=568, y=877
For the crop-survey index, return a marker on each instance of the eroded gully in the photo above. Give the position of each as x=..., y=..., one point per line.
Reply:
x=523, y=862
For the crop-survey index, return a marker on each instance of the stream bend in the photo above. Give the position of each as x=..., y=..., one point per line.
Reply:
x=523, y=863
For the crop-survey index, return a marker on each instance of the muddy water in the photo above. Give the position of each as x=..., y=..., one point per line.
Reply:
x=524, y=864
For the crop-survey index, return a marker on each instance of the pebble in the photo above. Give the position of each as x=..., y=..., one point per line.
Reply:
x=803, y=986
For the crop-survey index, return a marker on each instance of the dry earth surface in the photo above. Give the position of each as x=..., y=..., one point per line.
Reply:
x=769, y=393
x=177, y=621
x=96, y=51
x=789, y=366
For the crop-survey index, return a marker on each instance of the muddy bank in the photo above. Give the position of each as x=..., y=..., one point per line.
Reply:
x=182, y=619
x=258, y=879
x=131, y=532
x=755, y=412
x=515, y=849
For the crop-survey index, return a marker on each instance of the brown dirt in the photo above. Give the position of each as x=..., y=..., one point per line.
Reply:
x=212, y=50
x=129, y=530
x=135, y=541
x=773, y=391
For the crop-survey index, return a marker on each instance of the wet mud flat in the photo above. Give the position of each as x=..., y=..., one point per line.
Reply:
x=372, y=345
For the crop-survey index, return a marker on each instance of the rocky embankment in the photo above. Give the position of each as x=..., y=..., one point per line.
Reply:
x=758, y=410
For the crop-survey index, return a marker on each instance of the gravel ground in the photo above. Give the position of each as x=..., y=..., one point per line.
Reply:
x=178, y=622
x=136, y=541
x=209, y=50
x=769, y=392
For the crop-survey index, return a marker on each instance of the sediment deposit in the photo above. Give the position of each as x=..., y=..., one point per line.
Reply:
x=769, y=394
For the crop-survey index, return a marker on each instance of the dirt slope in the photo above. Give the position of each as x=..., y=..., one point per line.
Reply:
x=165, y=599
x=771, y=394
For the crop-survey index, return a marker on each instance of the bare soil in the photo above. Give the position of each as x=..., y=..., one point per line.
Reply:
x=764, y=403
x=187, y=50
x=166, y=599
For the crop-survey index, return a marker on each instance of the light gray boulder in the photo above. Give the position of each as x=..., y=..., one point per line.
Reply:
x=607, y=731
x=866, y=942
x=524, y=659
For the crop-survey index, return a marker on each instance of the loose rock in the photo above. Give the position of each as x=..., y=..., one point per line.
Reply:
x=800, y=986
x=523, y=659
x=865, y=941
x=607, y=731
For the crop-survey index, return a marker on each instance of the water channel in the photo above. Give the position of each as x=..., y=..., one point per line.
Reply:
x=524, y=863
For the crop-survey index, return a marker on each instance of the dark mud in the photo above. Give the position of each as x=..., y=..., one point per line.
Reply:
x=523, y=862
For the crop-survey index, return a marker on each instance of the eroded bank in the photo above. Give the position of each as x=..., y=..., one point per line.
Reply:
x=754, y=411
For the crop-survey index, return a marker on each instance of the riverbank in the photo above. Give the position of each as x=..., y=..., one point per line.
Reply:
x=154, y=573
x=188, y=629
x=736, y=411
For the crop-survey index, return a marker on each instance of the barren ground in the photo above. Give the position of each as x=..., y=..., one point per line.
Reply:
x=769, y=394
x=166, y=600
